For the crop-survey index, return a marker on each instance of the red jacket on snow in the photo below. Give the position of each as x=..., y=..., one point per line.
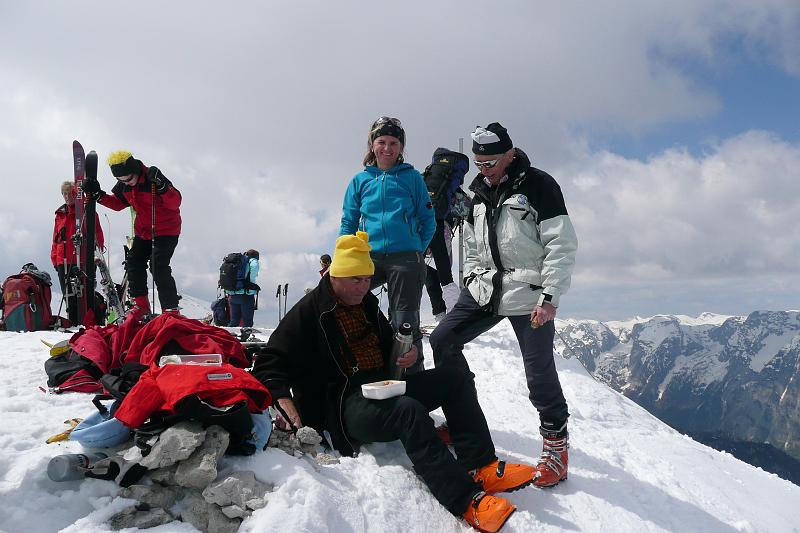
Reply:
x=161, y=388
x=63, y=231
x=140, y=197
x=192, y=336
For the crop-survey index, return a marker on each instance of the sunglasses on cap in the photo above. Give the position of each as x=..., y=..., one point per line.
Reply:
x=387, y=120
x=487, y=164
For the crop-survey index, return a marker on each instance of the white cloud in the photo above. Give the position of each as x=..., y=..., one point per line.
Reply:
x=730, y=213
x=259, y=117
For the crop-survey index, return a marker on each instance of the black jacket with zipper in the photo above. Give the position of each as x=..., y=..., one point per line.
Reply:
x=303, y=360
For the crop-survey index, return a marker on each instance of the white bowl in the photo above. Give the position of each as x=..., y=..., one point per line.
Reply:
x=380, y=390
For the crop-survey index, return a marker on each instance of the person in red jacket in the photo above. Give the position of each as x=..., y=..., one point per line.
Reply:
x=62, y=252
x=157, y=205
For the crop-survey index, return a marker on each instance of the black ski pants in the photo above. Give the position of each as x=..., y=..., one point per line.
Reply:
x=70, y=299
x=404, y=275
x=434, y=291
x=466, y=321
x=407, y=418
x=441, y=257
x=136, y=265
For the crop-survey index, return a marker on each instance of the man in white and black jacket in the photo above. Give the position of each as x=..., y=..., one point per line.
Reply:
x=520, y=253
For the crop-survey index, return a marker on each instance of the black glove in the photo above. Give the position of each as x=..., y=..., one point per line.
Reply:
x=161, y=181
x=91, y=187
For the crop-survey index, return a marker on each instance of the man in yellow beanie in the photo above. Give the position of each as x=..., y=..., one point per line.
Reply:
x=334, y=340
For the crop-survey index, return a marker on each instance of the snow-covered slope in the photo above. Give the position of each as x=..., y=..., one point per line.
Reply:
x=629, y=471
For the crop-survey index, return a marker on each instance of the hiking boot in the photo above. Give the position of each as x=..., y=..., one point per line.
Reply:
x=450, y=294
x=141, y=307
x=499, y=476
x=488, y=513
x=552, y=465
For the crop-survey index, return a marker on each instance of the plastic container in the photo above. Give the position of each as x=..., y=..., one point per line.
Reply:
x=380, y=390
x=403, y=340
x=206, y=359
x=72, y=466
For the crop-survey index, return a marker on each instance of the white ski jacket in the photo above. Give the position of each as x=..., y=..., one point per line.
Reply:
x=520, y=241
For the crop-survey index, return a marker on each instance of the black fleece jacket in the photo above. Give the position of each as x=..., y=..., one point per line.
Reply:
x=302, y=361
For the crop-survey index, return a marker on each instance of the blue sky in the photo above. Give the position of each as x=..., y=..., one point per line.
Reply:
x=672, y=129
x=753, y=95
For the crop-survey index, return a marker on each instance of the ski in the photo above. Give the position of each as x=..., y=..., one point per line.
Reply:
x=76, y=275
x=89, y=229
x=109, y=288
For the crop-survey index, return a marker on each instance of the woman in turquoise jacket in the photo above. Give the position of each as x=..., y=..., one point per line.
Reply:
x=243, y=301
x=389, y=200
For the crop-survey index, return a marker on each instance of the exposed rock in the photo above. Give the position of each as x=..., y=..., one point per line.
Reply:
x=195, y=511
x=236, y=489
x=153, y=495
x=141, y=517
x=219, y=523
x=175, y=444
x=234, y=511
x=164, y=476
x=200, y=468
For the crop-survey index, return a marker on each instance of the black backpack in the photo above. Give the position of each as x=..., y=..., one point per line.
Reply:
x=443, y=177
x=233, y=272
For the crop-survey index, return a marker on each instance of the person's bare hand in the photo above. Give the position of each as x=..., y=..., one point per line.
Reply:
x=408, y=358
x=288, y=407
x=542, y=314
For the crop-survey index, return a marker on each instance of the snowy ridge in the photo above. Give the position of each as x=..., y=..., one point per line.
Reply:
x=628, y=470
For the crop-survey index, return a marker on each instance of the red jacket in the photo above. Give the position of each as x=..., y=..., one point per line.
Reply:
x=63, y=231
x=140, y=197
x=161, y=388
x=192, y=336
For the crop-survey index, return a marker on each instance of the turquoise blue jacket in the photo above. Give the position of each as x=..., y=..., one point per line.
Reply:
x=252, y=274
x=393, y=206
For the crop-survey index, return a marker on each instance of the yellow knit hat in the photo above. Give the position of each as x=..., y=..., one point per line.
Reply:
x=351, y=256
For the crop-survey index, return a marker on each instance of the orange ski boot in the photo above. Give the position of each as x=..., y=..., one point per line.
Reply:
x=488, y=513
x=499, y=476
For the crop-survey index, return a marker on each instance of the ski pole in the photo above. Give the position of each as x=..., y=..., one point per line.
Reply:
x=285, y=290
x=153, y=241
x=278, y=296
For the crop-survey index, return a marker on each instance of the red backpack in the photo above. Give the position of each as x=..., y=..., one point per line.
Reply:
x=26, y=300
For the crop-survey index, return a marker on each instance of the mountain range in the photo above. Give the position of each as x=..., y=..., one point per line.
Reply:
x=730, y=381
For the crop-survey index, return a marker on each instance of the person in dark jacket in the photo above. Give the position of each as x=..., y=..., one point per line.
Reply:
x=62, y=251
x=157, y=205
x=336, y=339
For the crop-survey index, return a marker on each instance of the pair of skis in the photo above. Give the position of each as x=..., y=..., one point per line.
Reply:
x=282, y=309
x=81, y=277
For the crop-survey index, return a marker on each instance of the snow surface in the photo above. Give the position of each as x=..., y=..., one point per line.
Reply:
x=628, y=471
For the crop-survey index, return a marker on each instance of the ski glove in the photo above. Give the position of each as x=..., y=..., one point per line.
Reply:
x=161, y=181
x=91, y=187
